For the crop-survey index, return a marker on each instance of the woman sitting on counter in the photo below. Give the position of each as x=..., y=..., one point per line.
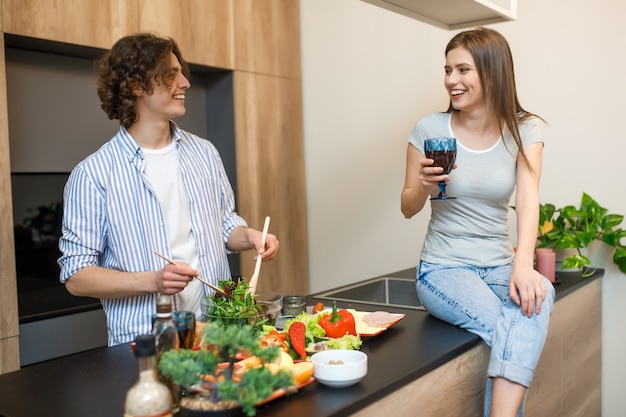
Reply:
x=469, y=275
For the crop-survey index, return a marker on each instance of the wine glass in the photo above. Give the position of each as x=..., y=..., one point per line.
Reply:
x=443, y=152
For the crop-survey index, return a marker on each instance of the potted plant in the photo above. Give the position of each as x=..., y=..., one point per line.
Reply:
x=575, y=228
x=213, y=378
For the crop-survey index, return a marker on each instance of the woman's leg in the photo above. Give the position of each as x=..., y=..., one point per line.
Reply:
x=518, y=340
x=507, y=398
x=517, y=344
x=459, y=295
x=478, y=300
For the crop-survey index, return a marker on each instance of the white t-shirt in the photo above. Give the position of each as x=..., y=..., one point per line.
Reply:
x=473, y=229
x=161, y=170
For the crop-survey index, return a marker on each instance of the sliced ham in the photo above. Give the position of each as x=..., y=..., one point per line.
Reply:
x=381, y=318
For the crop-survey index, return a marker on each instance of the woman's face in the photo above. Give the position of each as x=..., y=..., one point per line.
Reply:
x=463, y=81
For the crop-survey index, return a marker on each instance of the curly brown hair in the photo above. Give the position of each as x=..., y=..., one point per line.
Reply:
x=133, y=63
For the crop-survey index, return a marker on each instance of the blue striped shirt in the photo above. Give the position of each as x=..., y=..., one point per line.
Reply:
x=112, y=219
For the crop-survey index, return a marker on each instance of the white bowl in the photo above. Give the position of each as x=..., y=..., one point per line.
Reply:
x=339, y=368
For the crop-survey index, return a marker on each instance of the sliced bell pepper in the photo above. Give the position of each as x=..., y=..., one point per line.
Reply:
x=275, y=338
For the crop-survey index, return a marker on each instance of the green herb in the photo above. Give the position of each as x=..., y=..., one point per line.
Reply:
x=238, y=306
x=187, y=367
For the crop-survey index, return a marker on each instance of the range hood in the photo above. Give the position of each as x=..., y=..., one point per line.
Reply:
x=453, y=14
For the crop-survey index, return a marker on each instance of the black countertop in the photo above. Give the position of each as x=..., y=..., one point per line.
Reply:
x=94, y=383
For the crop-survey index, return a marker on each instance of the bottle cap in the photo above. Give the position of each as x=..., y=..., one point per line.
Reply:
x=145, y=346
x=164, y=305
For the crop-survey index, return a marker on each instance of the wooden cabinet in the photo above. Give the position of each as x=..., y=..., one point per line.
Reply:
x=455, y=389
x=567, y=381
x=270, y=174
x=265, y=37
x=9, y=358
x=270, y=146
x=90, y=23
x=203, y=29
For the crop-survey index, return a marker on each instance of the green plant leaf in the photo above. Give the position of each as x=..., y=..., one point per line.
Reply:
x=613, y=237
x=620, y=258
x=569, y=240
x=546, y=212
x=585, y=237
x=575, y=261
x=610, y=221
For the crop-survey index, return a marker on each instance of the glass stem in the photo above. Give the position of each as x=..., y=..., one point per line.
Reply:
x=442, y=188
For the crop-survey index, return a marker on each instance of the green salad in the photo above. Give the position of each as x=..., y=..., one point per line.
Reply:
x=315, y=336
x=238, y=306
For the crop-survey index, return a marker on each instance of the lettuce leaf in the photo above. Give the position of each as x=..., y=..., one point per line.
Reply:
x=313, y=329
x=346, y=342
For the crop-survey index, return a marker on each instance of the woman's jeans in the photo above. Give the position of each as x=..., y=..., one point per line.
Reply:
x=477, y=299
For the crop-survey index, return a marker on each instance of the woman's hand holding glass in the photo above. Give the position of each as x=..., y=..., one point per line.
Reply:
x=440, y=160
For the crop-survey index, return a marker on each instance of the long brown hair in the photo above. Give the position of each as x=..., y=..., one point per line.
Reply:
x=494, y=63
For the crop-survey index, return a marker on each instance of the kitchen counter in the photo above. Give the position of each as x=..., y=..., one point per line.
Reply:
x=94, y=383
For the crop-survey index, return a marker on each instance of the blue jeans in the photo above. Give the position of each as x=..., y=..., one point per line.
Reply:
x=477, y=299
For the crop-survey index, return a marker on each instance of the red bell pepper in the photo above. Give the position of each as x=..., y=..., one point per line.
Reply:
x=275, y=338
x=339, y=323
x=297, y=338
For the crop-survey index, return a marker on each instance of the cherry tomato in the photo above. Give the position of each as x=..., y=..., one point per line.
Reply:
x=318, y=307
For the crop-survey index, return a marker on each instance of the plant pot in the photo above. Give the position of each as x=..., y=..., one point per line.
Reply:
x=601, y=255
x=202, y=407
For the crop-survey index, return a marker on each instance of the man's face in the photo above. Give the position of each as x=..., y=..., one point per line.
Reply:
x=166, y=101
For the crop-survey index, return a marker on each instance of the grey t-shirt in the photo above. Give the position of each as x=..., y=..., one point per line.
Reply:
x=473, y=229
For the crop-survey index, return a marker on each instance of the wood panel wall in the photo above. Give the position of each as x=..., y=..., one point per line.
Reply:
x=268, y=127
x=202, y=28
x=264, y=37
x=9, y=348
x=274, y=182
x=82, y=22
x=455, y=389
x=568, y=381
x=260, y=41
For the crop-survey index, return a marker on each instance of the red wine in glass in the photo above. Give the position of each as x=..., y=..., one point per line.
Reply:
x=443, y=152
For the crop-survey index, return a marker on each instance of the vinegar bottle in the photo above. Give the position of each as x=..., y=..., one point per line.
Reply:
x=148, y=397
x=166, y=338
x=164, y=330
